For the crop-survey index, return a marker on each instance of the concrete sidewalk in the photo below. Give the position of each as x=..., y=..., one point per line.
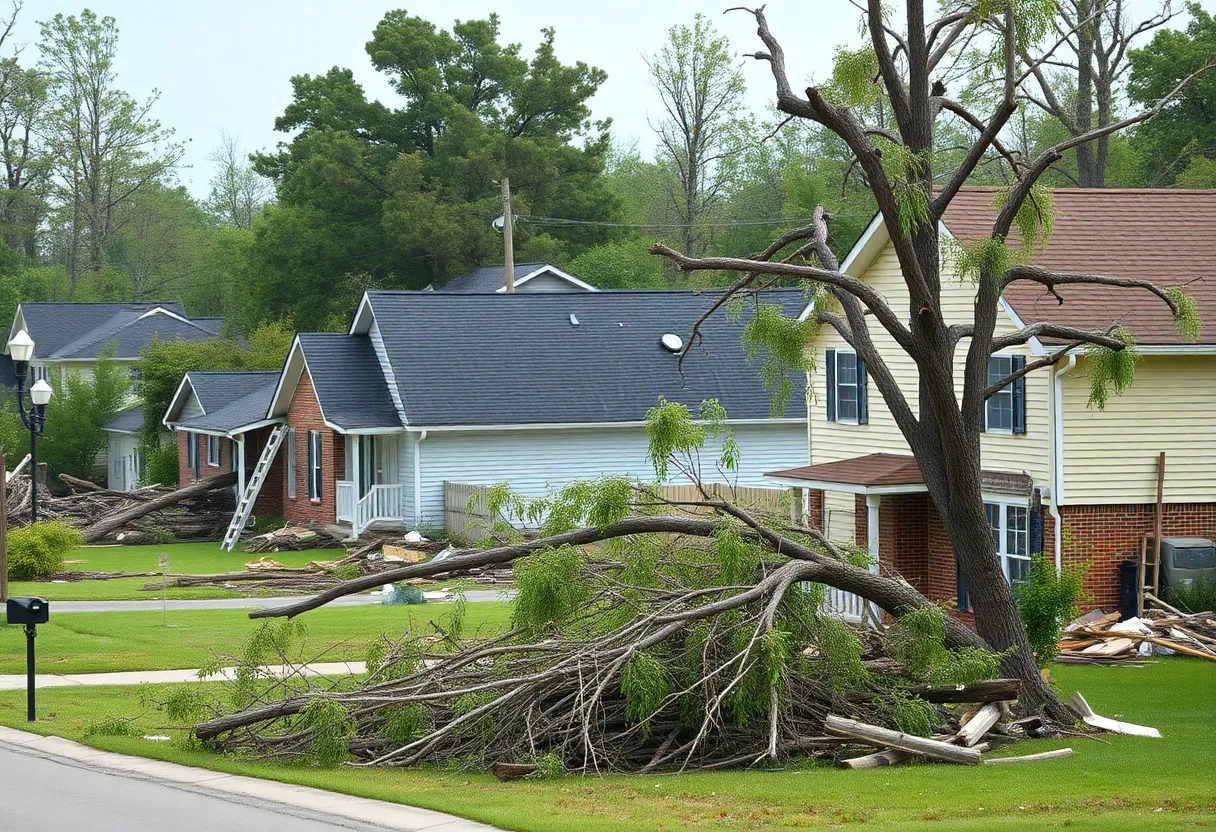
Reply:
x=163, y=677
x=316, y=807
x=58, y=607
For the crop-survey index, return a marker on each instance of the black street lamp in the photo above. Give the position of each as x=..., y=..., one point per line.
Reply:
x=21, y=348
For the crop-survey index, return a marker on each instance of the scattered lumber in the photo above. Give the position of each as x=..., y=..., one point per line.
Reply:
x=979, y=724
x=1030, y=758
x=1097, y=638
x=990, y=690
x=293, y=539
x=886, y=738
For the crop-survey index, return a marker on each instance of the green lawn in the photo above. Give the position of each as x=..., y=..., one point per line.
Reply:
x=95, y=642
x=1121, y=783
x=184, y=558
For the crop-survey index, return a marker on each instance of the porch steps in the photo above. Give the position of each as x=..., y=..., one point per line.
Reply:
x=244, y=506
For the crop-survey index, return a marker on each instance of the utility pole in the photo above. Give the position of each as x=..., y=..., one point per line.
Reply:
x=508, y=244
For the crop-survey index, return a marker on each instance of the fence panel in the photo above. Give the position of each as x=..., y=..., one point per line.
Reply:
x=460, y=523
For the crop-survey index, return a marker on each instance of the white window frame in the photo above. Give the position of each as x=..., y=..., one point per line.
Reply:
x=855, y=385
x=314, y=466
x=192, y=452
x=290, y=439
x=213, y=451
x=1005, y=394
x=1008, y=537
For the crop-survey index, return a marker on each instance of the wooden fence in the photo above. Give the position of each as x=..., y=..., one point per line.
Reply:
x=461, y=523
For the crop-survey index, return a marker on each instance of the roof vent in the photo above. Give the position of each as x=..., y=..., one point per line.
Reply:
x=573, y=319
x=672, y=343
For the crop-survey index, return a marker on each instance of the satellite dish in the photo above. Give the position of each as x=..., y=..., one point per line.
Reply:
x=672, y=343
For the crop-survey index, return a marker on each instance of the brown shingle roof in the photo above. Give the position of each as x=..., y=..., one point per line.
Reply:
x=1166, y=236
x=871, y=469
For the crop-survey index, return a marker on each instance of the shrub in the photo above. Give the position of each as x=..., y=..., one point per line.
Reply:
x=1047, y=600
x=160, y=466
x=1195, y=596
x=36, y=551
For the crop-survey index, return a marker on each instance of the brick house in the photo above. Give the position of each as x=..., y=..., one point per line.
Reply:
x=477, y=388
x=1060, y=476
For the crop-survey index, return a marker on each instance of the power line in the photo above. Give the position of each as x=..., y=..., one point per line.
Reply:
x=720, y=224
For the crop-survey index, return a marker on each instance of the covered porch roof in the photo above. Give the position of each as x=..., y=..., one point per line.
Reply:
x=878, y=474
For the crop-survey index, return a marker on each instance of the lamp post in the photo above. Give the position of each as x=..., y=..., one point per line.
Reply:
x=21, y=348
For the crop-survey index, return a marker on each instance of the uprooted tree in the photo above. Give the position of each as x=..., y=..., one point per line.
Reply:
x=648, y=633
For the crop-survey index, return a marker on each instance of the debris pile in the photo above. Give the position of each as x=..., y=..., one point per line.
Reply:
x=1101, y=638
x=293, y=539
x=200, y=510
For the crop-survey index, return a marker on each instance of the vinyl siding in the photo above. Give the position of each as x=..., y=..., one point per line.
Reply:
x=534, y=460
x=547, y=283
x=832, y=441
x=191, y=409
x=840, y=515
x=1110, y=456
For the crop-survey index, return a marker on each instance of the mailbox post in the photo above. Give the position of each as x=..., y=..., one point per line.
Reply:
x=31, y=612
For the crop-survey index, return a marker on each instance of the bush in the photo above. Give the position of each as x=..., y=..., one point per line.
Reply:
x=36, y=551
x=1047, y=600
x=1198, y=595
x=160, y=466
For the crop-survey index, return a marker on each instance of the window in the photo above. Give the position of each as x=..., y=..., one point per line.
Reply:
x=234, y=455
x=846, y=388
x=314, y=465
x=213, y=451
x=1010, y=524
x=192, y=461
x=1005, y=410
x=290, y=441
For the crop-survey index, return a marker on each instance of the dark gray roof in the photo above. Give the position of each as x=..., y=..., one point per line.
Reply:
x=488, y=279
x=81, y=330
x=215, y=390
x=129, y=421
x=231, y=400
x=518, y=359
x=348, y=380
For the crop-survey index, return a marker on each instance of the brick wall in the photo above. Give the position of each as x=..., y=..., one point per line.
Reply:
x=903, y=538
x=814, y=513
x=185, y=474
x=304, y=415
x=1106, y=535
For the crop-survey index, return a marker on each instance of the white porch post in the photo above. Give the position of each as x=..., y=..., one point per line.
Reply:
x=353, y=474
x=418, y=478
x=873, y=507
x=240, y=465
x=797, y=507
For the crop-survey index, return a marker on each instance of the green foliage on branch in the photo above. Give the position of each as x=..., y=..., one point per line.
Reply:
x=1110, y=370
x=1047, y=600
x=1186, y=314
x=920, y=645
x=1035, y=216
x=782, y=342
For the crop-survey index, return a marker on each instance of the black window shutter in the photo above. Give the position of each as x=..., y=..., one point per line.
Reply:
x=1035, y=531
x=863, y=409
x=961, y=587
x=1019, y=396
x=830, y=369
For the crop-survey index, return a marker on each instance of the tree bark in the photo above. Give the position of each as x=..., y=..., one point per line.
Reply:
x=103, y=527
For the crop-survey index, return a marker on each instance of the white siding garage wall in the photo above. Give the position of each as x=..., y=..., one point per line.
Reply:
x=534, y=460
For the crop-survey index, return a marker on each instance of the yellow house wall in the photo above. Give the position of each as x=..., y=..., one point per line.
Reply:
x=1110, y=456
x=831, y=441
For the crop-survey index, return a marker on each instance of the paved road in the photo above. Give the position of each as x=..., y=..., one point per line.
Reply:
x=244, y=603
x=57, y=785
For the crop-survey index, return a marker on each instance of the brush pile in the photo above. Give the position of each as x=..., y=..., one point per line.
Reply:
x=1098, y=638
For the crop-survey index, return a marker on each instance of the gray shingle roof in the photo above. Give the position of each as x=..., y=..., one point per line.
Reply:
x=8, y=378
x=81, y=330
x=218, y=389
x=488, y=279
x=518, y=359
x=129, y=421
x=348, y=380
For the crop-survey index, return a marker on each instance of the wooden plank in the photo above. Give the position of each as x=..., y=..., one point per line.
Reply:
x=979, y=724
x=1030, y=758
x=1157, y=523
x=990, y=690
x=874, y=735
x=1111, y=647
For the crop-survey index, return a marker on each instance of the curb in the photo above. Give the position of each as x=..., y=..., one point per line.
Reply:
x=238, y=788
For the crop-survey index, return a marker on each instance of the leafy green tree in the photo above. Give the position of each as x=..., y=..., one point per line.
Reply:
x=76, y=415
x=626, y=264
x=402, y=196
x=1186, y=127
x=238, y=193
x=159, y=241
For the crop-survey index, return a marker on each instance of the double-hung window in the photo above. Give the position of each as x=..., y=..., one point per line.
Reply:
x=846, y=388
x=290, y=441
x=314, y=465
x=1010, y=524
x=213, y=451
x=1005, y=410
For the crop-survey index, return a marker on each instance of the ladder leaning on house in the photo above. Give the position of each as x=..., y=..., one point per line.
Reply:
x=244, y=506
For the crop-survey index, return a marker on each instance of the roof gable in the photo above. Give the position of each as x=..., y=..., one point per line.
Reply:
x=346, y=377
x=565, y=358
x=80, y=331
x=492, y=279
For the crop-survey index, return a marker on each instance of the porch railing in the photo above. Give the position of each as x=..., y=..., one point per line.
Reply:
x=844, y=605
x=347, y=497
x=381, y=502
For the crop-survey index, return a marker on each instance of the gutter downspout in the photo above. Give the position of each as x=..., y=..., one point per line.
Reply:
x=418, y=478
x=1057, y=454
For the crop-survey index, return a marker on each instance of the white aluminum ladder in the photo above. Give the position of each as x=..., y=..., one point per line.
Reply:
x=244, y=506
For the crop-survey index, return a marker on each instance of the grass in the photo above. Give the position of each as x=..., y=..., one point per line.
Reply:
x=1122, y=782
x=96, y=642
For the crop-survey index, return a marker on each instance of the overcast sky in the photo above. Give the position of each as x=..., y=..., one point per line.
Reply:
x=225, y=64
